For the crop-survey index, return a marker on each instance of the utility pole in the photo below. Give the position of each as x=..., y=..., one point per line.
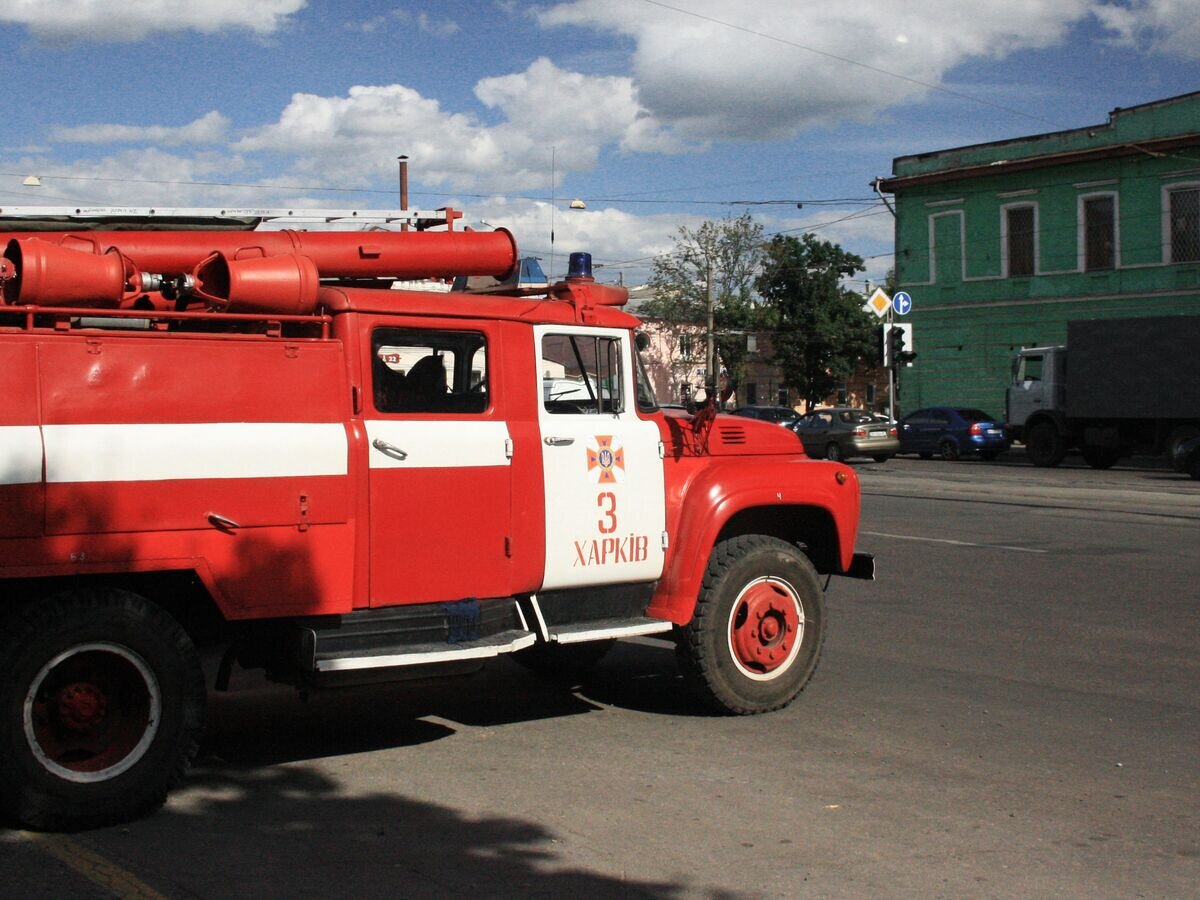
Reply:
x=403, y=161
x=710, y=373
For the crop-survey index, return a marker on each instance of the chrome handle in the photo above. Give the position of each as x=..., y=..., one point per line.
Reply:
x=558, y=441
x=388, y=450
x=221, y=522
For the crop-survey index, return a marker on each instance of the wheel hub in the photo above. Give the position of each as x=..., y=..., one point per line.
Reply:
x=767, y=626
x=81, y=706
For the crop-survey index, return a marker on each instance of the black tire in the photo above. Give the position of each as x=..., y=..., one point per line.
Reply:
x=948, y=450
x=564, y=660
x=1193, y=468
x=1101, y=457
x=1044, y=446
x=728, y=661
x=925, y=455
x=989, y=455
x=833, y=450
x=101, y=709
x=881, y=457
x=1178, y=435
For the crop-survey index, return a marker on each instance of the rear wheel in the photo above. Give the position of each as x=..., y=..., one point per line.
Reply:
x=881, y=457
x=1044, y=445
x=948, y=450
x=833, y=451
x=756, y=636
x=101, y=709
x=1101, y=457
x=1178, y=435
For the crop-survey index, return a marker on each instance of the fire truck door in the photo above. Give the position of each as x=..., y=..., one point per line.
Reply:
x=605, y=505
x=440, y=469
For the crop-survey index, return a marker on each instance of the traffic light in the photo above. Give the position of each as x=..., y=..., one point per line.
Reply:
x=896, y=342
x=899, y=345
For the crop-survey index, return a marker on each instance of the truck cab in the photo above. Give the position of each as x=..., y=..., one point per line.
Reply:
x=1037, y=387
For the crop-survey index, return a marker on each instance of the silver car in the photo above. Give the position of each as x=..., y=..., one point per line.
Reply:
x=841, y=432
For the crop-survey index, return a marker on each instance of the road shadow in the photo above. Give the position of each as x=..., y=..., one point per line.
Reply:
x=258, y=723
x=293, y=831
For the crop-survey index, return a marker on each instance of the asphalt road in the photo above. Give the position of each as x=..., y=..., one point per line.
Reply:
x=1011, y=710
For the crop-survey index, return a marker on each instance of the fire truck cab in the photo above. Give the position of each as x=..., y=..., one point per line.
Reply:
x=218, y=434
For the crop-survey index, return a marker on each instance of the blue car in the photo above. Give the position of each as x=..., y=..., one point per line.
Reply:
x=951, y=432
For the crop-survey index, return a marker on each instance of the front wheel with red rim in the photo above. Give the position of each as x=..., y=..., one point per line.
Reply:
x=100, y=711
x=756, y=636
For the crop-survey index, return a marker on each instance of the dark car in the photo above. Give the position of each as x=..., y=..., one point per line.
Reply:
x=781, y=415
x=842, y=432
x=951, y=432
x=1187, y=457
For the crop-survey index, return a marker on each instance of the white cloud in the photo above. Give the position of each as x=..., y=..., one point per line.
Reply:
x=436, y=27
x=544, y=108
x=713, y=72
x=211, y=128
x=1168, y=26
x=133, y=20
x=425, y=23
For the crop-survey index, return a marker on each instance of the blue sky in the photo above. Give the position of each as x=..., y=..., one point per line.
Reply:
x=656, y=114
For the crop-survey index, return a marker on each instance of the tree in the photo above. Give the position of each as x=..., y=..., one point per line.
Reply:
x=820, y=331
x=726, y=255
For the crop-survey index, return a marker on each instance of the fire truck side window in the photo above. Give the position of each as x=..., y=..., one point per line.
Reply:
x=581, y=374
x=427, y=371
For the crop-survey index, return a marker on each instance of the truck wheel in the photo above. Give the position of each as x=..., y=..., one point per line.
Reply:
x=756, y=635
x=101, y=709
x=1101, y=457
x=1044, y=446
x=833, y=450
x=948, y=450
x=563, y=660
x=1178, y=435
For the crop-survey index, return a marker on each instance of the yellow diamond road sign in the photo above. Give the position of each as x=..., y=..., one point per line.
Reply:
x=879, y=303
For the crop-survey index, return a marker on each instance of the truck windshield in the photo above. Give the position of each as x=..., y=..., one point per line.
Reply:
x=1029, y=368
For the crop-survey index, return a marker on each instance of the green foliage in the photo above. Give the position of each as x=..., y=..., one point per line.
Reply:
x=821, y=333
x=729, y=253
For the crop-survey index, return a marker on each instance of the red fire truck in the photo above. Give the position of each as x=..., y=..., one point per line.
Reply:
x=219, y=432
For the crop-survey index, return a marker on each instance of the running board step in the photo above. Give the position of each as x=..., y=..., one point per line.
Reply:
x=423, y=654
x=605, y=629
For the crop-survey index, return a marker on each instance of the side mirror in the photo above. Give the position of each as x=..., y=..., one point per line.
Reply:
x=641, y=340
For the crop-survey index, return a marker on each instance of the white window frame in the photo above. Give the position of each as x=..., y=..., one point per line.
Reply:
x=1037, y=248
x=1166, y=217
x=1081, y=230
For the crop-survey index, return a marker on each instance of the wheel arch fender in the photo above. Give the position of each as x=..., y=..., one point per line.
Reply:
x=819, y=509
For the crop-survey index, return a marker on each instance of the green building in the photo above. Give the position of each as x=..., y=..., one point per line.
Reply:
x=1001, y=244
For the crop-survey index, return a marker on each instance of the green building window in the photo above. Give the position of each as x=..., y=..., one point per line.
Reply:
x=1019, y=240
x=1185, y=224
x=1099, y=232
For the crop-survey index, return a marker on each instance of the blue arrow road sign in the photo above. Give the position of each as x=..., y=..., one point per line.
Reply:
x=902, y=303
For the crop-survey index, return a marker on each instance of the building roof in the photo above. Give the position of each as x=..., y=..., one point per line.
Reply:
x=1150, y=128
